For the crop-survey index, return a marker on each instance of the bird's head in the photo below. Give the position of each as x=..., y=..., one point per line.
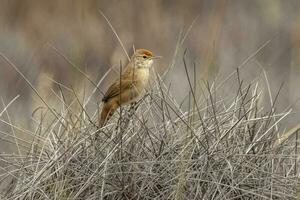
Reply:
x=143, y=58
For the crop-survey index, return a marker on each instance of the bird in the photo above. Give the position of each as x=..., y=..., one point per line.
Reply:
x=129, y=86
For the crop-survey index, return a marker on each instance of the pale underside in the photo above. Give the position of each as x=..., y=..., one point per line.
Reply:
x=132, y=83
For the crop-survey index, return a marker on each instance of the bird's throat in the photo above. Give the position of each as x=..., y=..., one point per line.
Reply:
x=142, y=74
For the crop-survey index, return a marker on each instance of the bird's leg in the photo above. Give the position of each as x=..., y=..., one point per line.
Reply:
x=137, y=104
x=133, y=105
x=131, y=111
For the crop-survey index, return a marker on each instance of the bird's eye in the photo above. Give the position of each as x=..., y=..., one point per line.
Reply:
x=145, y=57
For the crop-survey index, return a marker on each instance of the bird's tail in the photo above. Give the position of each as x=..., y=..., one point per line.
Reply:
x=107, y=111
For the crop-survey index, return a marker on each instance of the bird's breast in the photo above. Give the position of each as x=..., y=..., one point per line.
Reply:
x=143, y=75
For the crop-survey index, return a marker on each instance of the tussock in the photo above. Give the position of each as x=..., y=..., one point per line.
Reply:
x=212, y=146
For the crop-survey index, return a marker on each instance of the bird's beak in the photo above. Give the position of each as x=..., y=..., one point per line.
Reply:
x=156, y=57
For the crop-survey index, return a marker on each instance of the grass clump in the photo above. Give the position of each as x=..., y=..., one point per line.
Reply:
x=211, y=146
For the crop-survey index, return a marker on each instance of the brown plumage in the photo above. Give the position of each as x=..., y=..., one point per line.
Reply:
x=132, y=82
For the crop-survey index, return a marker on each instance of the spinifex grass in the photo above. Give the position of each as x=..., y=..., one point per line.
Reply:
x=214, y=148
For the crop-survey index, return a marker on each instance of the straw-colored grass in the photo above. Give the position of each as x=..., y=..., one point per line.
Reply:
x=211, y=146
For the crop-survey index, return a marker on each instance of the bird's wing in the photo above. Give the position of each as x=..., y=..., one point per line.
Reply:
x=114, y=89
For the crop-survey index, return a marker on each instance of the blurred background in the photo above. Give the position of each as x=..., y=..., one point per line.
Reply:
x=219, y=35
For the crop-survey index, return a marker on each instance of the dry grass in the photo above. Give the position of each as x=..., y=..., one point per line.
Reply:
x=208, y=147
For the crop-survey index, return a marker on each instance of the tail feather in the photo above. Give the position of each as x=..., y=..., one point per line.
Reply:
x=107, y=111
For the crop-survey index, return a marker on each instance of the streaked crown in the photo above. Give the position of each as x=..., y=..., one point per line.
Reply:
x=143, y=52
x=143, y=58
